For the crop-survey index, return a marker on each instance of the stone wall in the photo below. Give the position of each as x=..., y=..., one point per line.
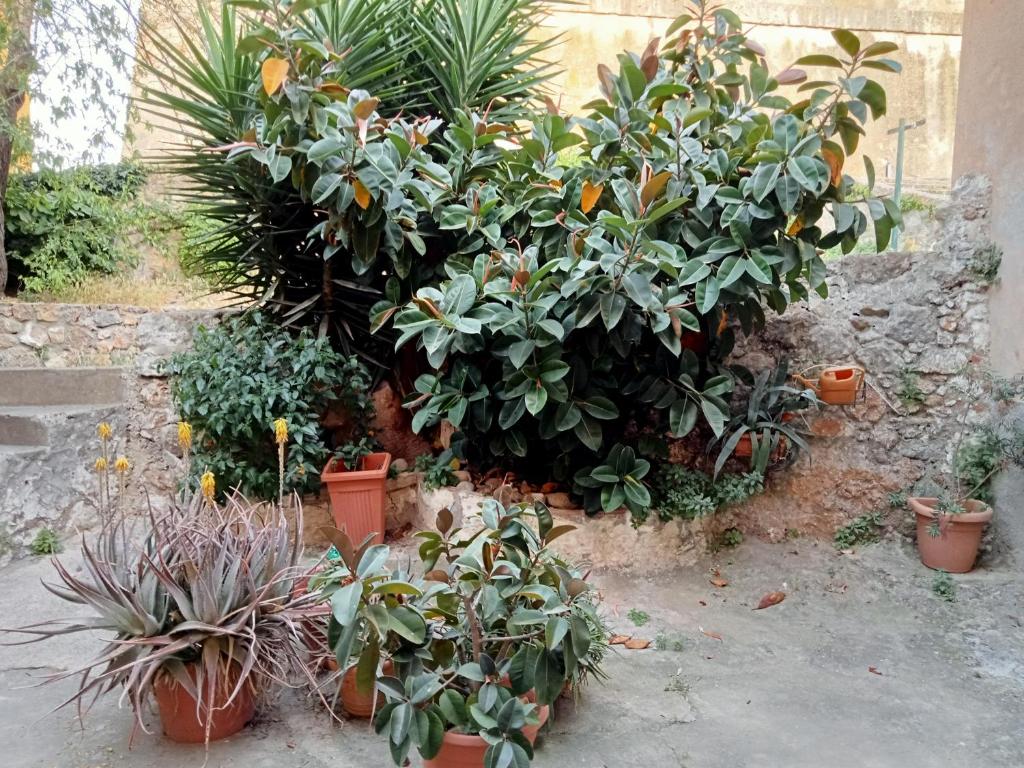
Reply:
x=906, y=318
x=34, y=335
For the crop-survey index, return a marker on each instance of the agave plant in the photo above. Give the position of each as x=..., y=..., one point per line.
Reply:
x=435, y=57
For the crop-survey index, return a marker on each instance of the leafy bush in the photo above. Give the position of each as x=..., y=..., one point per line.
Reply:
x=682, y=492
x=437, y=471
x=266, y=85
x=578, y=295
x=240, y=376
x=62, y=226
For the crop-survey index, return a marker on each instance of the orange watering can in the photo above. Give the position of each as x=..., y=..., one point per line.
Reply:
x=836, y=385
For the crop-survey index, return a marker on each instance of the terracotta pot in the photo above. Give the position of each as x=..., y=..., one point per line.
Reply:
x=745, y=448
x=179, y=717
x=956, y=547
x=357, y=703
x=358, y=497
x=838, y=385
x=461, y=750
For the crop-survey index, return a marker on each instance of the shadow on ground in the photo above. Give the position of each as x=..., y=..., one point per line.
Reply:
x=861, y=666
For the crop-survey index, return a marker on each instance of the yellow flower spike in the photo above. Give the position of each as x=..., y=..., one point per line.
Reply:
x=208, y=485
x=184, y=435
x=104, y=431
x=121, y=464
x=101, y=464
x=281, y=431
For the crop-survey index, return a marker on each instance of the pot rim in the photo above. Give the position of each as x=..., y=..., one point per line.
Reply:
x=923, y=506
x=332, y=474
x=472, y=739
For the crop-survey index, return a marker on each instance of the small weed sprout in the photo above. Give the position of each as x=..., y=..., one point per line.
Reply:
x=909, y=391
x=437, y=472
x=944, y=586
x=985, y=263
x=732, y=537
x=861, y=530
x=665, y=642
x=898, y=500
x=45, y=543
x=638, y=617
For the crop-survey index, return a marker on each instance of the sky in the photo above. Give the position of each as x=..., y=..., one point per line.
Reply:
x=77, y=70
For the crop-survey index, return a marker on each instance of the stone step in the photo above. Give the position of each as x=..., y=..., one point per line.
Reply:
x=61, y=386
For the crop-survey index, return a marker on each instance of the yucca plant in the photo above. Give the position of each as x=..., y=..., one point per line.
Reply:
x=263, y=82
x=203, y=602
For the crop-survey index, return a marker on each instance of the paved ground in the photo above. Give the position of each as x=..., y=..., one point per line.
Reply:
x=790, y=686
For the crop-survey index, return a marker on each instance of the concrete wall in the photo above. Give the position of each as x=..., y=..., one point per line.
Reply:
x=991, y=113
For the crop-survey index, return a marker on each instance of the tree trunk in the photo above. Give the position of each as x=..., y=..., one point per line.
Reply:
x=13, y=92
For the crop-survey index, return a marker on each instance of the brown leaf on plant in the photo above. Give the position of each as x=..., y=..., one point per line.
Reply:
x=637, y=644
x=618, y=639
x=772, y=598
x=274, y=71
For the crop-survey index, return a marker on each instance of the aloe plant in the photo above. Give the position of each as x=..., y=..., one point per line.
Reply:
x=208, y=589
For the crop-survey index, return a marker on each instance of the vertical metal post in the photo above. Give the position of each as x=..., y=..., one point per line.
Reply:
x=897, y=191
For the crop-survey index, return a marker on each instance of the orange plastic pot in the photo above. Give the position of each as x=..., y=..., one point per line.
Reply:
x=838, y=385
x=358, y=703
x=184, y=722
x=358, y=497
x=959, y=536
x=462, y=750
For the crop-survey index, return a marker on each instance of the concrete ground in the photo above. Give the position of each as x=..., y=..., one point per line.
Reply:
x=861, y=666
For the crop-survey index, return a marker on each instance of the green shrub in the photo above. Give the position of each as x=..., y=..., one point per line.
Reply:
x=240, y=376
x=577, y=293
x=62, y=226
x=288, y=225
x=437, y=470
x=682, y=492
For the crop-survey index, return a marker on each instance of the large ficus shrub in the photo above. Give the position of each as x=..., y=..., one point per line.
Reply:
x=312, y=191
x=584, y=295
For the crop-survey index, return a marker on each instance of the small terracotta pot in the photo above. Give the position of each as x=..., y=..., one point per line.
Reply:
x=745, y=448
x=956, y=547
x=357, y=703
x=358, y=497
x=180, y=719
x=461, y=750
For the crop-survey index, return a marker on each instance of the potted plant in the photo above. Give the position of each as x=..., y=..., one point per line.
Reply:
x=763, y=429
x=482, y=642
x=952, y=520
x=356, y=478
x=204, y=660
x=835, y=384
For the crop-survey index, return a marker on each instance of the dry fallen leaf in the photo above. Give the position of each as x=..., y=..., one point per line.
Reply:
x=772, y=598
x=874, y=671
x=712, y=635
x=719, y=582
x=703, y=603
x=619, y=639
x=636, y=644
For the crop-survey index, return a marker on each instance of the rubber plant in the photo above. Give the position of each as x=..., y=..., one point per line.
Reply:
x=482, y=642
x=695, y=196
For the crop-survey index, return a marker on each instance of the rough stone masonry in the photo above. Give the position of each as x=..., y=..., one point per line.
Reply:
x=918, y=315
